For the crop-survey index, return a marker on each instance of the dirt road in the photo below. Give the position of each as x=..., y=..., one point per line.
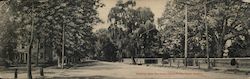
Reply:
x=109, y=70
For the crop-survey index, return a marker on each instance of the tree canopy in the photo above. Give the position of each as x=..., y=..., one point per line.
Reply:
x=226, y=21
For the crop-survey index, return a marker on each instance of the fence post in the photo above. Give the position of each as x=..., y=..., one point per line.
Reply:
x=15, y=74
x=41, y=71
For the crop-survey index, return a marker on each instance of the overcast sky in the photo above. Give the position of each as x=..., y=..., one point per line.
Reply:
x=157, y=7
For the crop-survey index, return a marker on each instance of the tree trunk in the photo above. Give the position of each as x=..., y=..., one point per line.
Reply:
x=133, y=52
x=133, y=57
x=219, y=49
x=30, y=46
x=29, y=59
x=133, y=60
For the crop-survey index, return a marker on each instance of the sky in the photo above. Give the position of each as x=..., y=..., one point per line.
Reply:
x=248, y=1
x=157, y=7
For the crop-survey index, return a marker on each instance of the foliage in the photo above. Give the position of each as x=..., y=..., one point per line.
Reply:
x=226, y=21
x=132, y=30
x=8, y=34
x=105, y=50
x=50, y=16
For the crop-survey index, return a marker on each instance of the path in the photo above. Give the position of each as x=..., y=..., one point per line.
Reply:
x=109, y=70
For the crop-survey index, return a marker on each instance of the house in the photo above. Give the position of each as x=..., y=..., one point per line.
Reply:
x=45, y=54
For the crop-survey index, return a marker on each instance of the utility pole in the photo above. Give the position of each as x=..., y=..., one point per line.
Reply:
x=63, y=42
x=207, y=49
x=186, y=35
x=38, y=51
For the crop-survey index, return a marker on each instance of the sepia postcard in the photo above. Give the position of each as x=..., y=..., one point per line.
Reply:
x=124, y=39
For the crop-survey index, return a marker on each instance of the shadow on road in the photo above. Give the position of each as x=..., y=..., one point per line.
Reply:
x=84, y=77
x=94, y=65
x=87, y=64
